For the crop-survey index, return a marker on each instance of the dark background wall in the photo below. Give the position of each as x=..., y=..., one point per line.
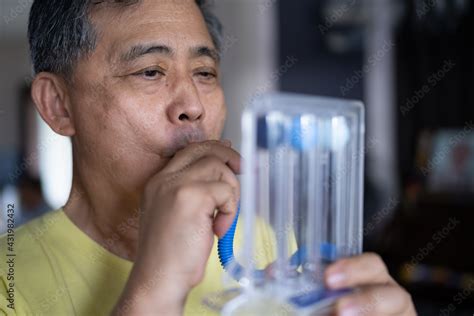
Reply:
x=433, y=91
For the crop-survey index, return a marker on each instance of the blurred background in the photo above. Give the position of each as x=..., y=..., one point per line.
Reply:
x=410, y=61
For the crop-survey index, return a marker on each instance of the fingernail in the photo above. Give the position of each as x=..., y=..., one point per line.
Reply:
x=336, y=279
x=349, y=311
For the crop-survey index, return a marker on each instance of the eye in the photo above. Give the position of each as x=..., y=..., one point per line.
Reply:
x=206, y=75
x=150, y=74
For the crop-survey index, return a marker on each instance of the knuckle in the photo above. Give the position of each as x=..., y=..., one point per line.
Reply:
x=234, y=188
x=184, y=193
x=229, y=190
x=207, y=198
x=231, y=196
x=233, y=182
x=375, y=260
x=377, y=265
x=194, y=150
x=213, y=166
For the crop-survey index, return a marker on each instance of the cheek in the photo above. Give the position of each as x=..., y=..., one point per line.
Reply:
x=122, y=114
x=141, y=125
x=102, y=123
x=95, y=130
x=216, y=115
x=133, y=122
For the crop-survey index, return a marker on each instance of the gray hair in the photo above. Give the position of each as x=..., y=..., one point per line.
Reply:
x=60, y=32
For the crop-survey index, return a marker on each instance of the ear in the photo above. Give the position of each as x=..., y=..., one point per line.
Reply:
x=49, y=93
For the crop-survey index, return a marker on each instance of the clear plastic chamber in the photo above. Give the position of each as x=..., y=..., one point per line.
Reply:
x=302, y=196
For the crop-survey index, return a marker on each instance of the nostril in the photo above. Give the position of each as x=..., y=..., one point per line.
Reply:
x=183, y=117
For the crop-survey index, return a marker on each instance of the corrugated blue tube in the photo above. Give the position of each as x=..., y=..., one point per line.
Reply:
x=225, y=250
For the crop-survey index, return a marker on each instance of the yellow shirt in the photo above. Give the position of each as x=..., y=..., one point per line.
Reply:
x=59, y=270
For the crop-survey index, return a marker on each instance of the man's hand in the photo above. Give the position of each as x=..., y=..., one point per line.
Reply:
x=377, y=294
x=177, y=226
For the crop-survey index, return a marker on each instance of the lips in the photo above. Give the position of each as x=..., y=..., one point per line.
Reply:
x=183, y=138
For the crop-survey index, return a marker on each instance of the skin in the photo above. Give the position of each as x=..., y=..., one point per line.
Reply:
x=145, y=132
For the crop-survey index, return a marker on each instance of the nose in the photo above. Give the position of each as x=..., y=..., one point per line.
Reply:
x=185, y=106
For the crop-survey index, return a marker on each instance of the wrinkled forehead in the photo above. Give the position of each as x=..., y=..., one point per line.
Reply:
x=177, y=24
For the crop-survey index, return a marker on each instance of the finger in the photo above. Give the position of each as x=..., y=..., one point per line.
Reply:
x=226, y=142
x=223, y=197
x=206, y=197
x=211, y=168
x=367, y=268
x=196, y=151
x=377, y=300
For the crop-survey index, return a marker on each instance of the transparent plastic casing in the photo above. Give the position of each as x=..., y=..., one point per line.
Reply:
x=302, y=190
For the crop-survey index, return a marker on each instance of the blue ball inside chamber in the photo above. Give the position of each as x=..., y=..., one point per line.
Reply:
x=303, y=133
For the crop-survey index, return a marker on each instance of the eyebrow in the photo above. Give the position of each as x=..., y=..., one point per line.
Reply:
x=205, y=51
x=138, y=51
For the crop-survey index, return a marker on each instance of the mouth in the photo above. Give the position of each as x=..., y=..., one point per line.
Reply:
x=182, y=139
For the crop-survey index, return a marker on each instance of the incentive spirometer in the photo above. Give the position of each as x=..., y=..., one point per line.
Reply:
x=301, y=204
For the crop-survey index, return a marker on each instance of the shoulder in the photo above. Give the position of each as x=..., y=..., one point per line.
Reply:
x=26, y=245
x=25, y=265
x=27, y=237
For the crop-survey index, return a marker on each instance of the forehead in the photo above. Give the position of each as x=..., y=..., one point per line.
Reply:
x=175, y=23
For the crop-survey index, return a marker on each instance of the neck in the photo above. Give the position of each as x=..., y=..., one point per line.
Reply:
x=105, y=211
x=105, y=196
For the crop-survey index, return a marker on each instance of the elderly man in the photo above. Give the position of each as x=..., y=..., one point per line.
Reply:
x=135, y=84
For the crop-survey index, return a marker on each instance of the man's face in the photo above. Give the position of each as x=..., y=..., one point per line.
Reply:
x=150, y=87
